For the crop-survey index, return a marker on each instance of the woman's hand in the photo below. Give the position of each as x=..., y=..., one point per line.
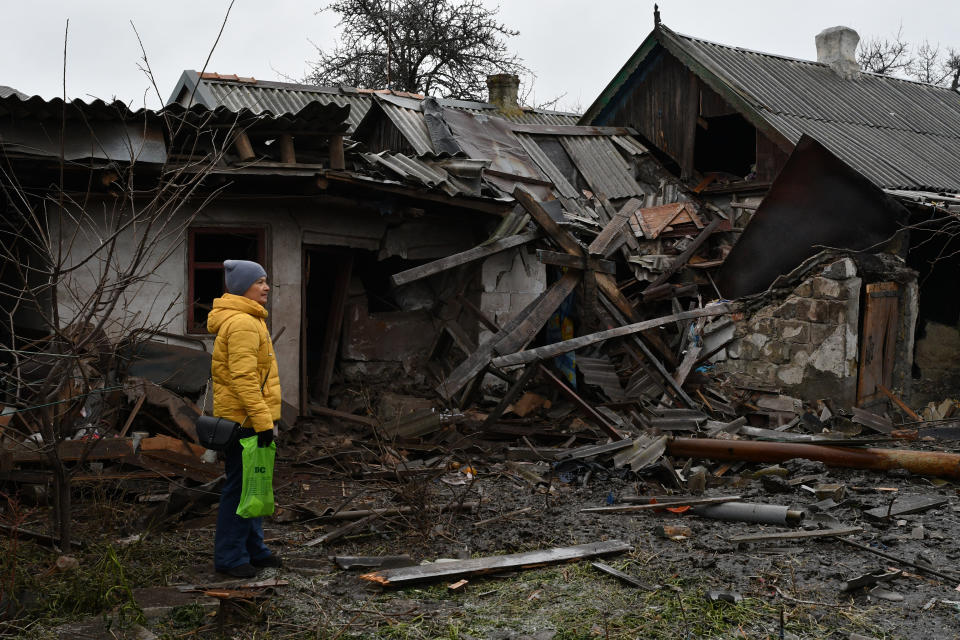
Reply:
x=264, y=438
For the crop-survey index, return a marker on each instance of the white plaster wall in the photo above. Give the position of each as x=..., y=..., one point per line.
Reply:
x=161, y=300
x=510, y=280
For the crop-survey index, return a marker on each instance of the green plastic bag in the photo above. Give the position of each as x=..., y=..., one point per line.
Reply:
x=256, y=495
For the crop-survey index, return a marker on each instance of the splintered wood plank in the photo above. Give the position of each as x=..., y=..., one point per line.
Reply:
x=795, y=535
x=906, y=506
x=680, y=261
x=557, y=348
x=616, y=232
x=457, y=259
x=479, y=566
x=553, y=230
x=516, y=333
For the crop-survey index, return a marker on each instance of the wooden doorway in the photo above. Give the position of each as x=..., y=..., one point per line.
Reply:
x=878, y=341
x=326, y=281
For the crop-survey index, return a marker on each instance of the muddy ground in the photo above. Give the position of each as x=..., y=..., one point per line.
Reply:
x=800, y=579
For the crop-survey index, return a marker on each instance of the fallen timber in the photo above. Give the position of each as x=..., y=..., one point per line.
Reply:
x=478, y=566
x=925, y=463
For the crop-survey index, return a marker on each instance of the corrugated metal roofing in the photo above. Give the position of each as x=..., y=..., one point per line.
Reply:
x=417, y=170
x=412, y=125
x=549, y=168
x=6, y=92
x=898, y=133
x=260, y=97
x=602, y=166
x=284, y=97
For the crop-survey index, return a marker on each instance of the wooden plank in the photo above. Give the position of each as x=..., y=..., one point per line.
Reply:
x=166, y=443
x=620, y=575
x=535, y=318
x=576, y=262
x=457, y=259
x=682, y=259
x=900, y=403
x=339, y=532
x=872, y=420
x=512, y=393
x=340, y=415
x=796, y=535
x=913, y=504
x=540, y=215
x=133, y=414
x=333, y=327
x=877, y=340
x=519, y=330
x=73, y=450
x=679, y=502
x=494, y=564
x=557, y=348
x=337, y=160
x=593, y=413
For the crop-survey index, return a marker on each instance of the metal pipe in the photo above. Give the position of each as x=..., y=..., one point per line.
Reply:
x=747, y=512
x=926, y=463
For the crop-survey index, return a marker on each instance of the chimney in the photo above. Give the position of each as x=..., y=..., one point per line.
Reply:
x=837, y=47
x=503, y=88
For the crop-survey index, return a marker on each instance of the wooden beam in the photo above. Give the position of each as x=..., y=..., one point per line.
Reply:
x=557, y=348
x=613, y=234
x=575, y=262
x=602, y=422
x=512, y=393
x=681, y=260
x=133, y=414
x=553, y=230
x=457, y=259
x=494, y=564
x=241, y=144
x=337, y=162
x=287, y=153
x=796, y=535
x=341, y=415
x=572, y=130
x=519, y=331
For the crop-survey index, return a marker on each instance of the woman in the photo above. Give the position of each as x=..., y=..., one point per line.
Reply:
x=246, y=389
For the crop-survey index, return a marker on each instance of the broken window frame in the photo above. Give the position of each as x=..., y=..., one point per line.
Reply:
x=193, y=265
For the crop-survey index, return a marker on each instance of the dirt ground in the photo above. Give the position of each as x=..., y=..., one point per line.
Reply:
x=799, y=580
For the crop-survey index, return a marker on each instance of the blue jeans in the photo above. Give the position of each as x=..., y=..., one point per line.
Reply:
x=238, y=540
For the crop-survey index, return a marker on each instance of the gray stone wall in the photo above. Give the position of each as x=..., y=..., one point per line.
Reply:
x=807, y=345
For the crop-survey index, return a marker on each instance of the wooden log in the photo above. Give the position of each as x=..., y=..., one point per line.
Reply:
x=557, y=348
x=457, y=259
x=494, y=564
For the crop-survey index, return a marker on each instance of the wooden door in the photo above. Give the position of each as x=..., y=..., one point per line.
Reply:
x=878, y=341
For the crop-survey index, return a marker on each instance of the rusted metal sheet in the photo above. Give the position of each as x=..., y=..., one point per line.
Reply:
x=927, y=463
x=653, y=221
x=816, y=201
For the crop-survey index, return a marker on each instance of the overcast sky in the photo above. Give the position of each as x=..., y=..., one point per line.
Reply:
x=574, y=46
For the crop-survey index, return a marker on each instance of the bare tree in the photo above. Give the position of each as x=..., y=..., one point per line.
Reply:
x=926, y=63
x=885, y=56
x=435, y=47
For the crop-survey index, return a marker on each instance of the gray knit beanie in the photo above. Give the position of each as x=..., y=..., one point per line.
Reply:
x=240, y=274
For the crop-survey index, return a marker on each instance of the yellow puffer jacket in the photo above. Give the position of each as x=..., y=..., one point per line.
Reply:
x=242, y=357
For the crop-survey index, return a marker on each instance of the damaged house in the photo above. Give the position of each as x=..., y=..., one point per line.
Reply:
x=814, y=163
